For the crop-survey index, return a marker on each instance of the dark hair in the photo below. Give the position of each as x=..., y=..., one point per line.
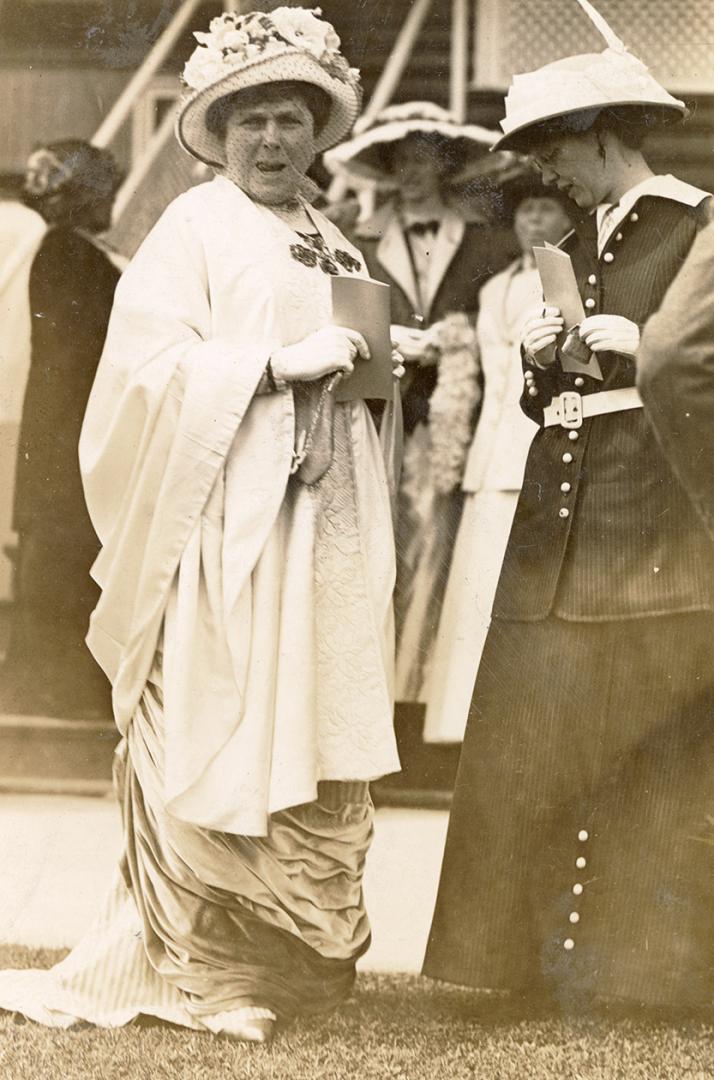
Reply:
x=451, y=154
x=630, y=123
x=318, y=101
x=70, y=182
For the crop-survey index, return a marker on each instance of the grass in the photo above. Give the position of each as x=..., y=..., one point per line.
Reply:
x=395, y=1027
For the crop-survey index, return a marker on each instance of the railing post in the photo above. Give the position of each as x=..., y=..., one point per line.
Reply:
x=459, y=67
x=122, y=107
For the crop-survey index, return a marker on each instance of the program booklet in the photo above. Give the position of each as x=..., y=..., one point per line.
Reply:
x=364, y=305
x=560, y=290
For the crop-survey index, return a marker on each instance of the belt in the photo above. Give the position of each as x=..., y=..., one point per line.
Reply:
x=570, y=408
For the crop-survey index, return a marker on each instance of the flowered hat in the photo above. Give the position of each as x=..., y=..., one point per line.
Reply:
x=363, y=156
x=584, y=84
x=242, y=51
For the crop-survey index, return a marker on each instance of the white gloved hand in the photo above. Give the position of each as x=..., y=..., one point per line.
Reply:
x=610, y=333
x=412, y=343
x=539, y=331
x=398, y=368
x=333, y=348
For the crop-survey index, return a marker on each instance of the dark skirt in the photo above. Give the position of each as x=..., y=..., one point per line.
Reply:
x=580, y=851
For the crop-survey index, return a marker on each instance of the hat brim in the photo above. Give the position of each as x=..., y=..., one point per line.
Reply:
x=520, y=137
x=363, y=156
x=289, y=66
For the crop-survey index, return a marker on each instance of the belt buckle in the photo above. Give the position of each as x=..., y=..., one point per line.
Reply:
x=571, y=409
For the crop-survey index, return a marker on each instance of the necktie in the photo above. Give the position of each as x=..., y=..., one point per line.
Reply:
x=423, y=228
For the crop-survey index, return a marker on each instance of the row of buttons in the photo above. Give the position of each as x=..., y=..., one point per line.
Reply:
x=608, y=257
x=574, y=916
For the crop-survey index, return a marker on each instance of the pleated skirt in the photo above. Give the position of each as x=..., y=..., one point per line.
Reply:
x=580, y=851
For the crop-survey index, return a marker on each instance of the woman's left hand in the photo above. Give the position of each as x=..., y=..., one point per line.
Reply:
x=610, y=333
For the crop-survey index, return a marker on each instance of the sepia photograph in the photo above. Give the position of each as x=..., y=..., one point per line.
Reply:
x=357, y=540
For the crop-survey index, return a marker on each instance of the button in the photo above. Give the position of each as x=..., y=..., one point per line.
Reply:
x=590, y=303
x=565, y=487
x=569, y=944
x=577, y=889
x=583, y=835
x=564, y=512
x=580, y=381
x=529, y=374
x=581, y=862
x=567, y=458
x=573, y=436
x=532, y=391
x=619, y=237
x=574, y=917
x=608, y=257
x=635, y=216
x=592, y=280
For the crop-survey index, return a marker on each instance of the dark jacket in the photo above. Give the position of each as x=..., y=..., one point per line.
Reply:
x=72, y=287
x=675, y=375
x=466, y=254
x=628, y=542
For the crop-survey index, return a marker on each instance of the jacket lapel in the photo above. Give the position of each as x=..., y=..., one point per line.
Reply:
x=447, y=243
x=393, y=255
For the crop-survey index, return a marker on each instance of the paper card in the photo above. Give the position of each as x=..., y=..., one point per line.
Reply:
x=560, y=290
x=363, y=304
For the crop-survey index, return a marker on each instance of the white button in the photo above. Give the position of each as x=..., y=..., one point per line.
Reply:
x=532, y=391
x=634, y=217
x=580, y=381
x=581, y=863
x=574, y=917
x=590, y=303
x=564, y=512
x=569, y=944
x=529, y=375
x=573, y=436
x=619, y=237
x=577, y=889
x=583, y=835
x=567, y=458
x=592, y=280
x=608, y=257
x=565, y=487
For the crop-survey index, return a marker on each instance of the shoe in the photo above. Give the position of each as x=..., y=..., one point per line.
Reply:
x=243, y=1025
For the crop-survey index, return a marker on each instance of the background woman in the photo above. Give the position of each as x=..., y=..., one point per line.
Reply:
x=579, y=860
x=246, y=569
x=48, y=669
x=435, y=261
x=495, y=463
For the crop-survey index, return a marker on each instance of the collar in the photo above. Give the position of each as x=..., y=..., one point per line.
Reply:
x=662, y=187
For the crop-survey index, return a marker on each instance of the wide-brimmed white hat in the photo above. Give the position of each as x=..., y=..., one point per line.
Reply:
x=243, y=51
x=362, y=157
x=587, y=83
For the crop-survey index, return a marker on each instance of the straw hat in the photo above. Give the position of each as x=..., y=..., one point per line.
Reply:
x=362, y=157
x=242, y=51
x=587, y=83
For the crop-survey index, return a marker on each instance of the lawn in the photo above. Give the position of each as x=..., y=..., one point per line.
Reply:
x=395, y=1026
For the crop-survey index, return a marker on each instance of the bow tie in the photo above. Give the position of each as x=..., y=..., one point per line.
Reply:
x=423, y=228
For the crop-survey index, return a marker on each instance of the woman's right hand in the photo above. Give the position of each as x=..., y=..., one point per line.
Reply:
x=333, y=348
x=539, y=331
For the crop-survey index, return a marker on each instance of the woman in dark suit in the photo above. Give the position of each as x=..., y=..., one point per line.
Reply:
x=48, y=669
x=580, y=854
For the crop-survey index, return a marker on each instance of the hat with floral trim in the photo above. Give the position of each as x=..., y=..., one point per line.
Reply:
x=580, y=87
x=242, y=51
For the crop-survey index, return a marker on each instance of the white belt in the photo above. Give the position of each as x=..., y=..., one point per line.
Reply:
x=570, y=408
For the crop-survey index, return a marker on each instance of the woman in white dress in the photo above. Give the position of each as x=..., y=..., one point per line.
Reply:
x=246, y=571
x=494, y=467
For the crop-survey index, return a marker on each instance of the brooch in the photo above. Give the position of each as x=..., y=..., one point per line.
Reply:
x=317, y=253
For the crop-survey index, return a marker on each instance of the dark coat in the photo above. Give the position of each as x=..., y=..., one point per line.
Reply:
x=466, y=255
x=675, y=376
x=72, y=287
x=631, y=543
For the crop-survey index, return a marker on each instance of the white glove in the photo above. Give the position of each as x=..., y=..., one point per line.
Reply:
x=333, y=348
x=610, y=333
x=412, y=343
x=398, y=368
x=539, y=331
